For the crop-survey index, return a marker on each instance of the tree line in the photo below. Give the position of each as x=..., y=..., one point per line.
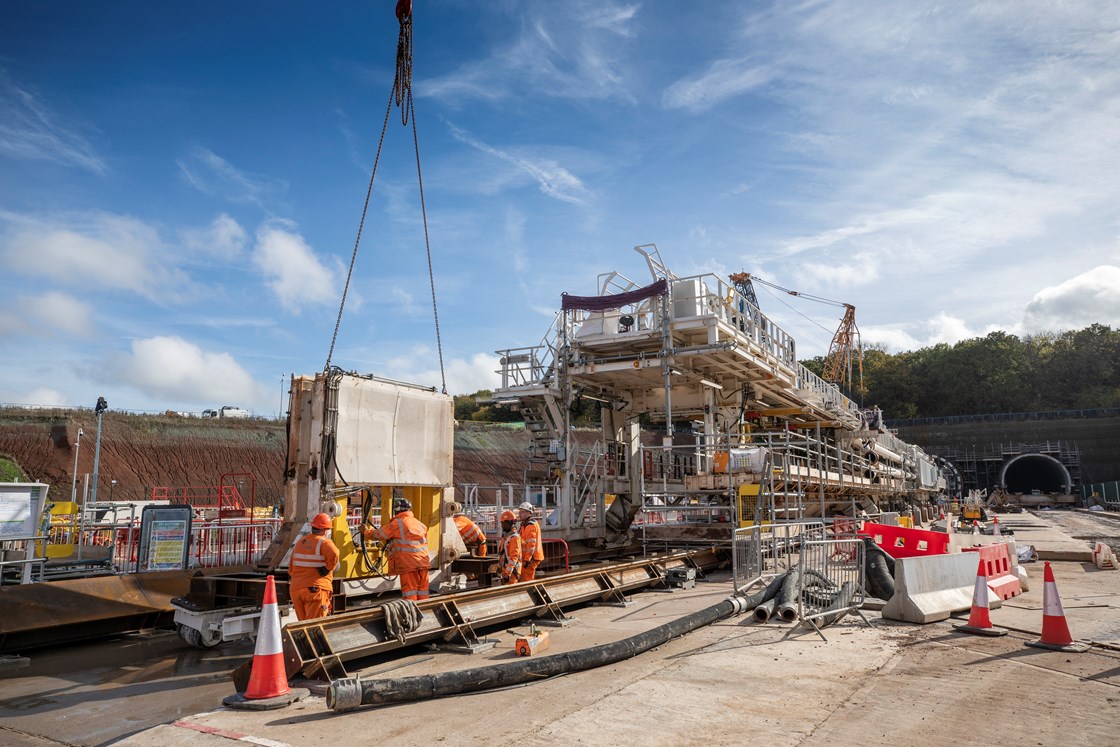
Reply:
x=1001, y=372
x=1077, y=369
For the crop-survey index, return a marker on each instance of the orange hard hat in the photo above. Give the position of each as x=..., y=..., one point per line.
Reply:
x=507, y=515
x=321, y=521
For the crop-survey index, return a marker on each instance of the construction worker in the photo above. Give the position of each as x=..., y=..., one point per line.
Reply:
x=532, y=548
x=510, y=548
x=406, y=538
x=311, y=570
x=473, y=536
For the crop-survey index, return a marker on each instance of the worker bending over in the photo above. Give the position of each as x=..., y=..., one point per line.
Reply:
x=510, y=549
x=532, y=548
x=473, y=536
x=406, y=538
x=311, y=571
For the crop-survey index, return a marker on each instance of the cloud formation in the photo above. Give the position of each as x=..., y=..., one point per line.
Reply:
x=571, y=50
x=99, y=251
x=552, y=179
x=213, y=175
x=29, y=130
x=172, y=369
x=1092, y=297
x=223, y=238
x=293, y=271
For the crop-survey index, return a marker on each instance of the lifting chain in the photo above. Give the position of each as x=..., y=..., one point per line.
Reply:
x=401, y=94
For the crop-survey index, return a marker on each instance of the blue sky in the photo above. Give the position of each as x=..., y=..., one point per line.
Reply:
x=181, y=183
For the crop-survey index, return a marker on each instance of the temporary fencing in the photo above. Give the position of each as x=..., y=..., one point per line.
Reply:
x=830, y=584
x=768, y=549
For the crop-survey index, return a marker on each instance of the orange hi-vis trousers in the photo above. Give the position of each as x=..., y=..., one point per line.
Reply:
x=414, y=584
x=311, y=602
x=529, y=569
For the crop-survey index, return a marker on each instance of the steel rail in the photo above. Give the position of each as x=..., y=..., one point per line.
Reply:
x=316, y=649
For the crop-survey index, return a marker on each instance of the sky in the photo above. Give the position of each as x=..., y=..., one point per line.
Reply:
x=181, y=183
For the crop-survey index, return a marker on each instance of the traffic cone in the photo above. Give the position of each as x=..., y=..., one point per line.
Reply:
x=268, y=681
x=995, y=526
x=268, y=678
x=975, y=527
x=1055, y=632
x=979, y=619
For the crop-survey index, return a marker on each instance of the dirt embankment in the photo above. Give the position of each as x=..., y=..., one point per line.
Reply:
x=141, y=452
x=145, y=451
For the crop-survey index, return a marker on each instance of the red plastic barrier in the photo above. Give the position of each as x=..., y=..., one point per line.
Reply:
x=900, y=542
x=996, y=562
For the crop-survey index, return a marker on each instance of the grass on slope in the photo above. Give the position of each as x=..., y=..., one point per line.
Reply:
x=10, y=471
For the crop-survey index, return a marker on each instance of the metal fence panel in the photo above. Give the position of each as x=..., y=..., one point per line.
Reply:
x=746, y=557
x=829, y=567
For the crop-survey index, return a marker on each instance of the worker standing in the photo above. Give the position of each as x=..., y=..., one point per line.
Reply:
x=473, y=536
x=532, y=548
x=510, y=548
x=406, y=538
x=311, y=571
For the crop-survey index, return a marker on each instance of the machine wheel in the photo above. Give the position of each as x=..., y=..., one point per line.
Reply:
x=196, y=639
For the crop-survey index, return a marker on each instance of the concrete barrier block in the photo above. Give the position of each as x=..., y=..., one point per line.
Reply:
x=931, y=588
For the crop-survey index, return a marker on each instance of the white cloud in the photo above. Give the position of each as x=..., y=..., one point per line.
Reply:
x=573, y=50
x=60, y=311
x=723, y=80
x=464, y=376
x=941, y=328
x=212, y=175
x=96, y=250
x=552, y=179
x=30, y=130
x=174, y=370
x=1089, y=298
x=223, y=238
x=292, y=269
x=44, y=397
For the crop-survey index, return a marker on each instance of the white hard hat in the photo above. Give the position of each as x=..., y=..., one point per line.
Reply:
x=526, y=506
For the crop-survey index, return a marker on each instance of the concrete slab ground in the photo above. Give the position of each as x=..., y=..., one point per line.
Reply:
x=890, y=684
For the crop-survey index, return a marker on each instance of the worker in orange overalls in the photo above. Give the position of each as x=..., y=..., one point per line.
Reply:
x=407, y=540
x=532, y=548
x=510, y=548
x=311, y=571
x=473, y=536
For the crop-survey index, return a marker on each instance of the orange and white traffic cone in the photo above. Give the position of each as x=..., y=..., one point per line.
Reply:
x=268, y=680
x=975, y=527
x=979, y=619
x=1055, y=631
x=995, y=527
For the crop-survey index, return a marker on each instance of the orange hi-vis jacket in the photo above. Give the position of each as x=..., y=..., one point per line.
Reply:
x=531, y=546
x=408, y=536
x=471, y=533
x=511, y=555
x=310, y=553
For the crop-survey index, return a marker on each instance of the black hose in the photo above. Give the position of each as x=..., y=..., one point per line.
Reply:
x=787, y=597
x=351, y=693
x=763, y=611
x=766, y=594
x=880, y=580
x=839, y=607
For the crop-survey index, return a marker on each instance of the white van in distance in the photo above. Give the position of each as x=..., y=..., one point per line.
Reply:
x=230, y=411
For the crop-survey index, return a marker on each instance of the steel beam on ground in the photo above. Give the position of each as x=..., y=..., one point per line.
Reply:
x=317, y=648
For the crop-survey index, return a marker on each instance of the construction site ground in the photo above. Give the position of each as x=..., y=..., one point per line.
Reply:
x=888, y=683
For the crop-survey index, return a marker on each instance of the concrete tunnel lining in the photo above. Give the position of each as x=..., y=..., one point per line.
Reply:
x=1041, y=472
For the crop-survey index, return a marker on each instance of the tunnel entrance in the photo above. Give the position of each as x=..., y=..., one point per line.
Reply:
x=1040, y=472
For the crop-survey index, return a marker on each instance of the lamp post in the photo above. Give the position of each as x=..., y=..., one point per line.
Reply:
x=74, y=481
x=112, y=484
x=100, y=409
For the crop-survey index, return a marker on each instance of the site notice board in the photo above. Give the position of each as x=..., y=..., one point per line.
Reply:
x=165, y=538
